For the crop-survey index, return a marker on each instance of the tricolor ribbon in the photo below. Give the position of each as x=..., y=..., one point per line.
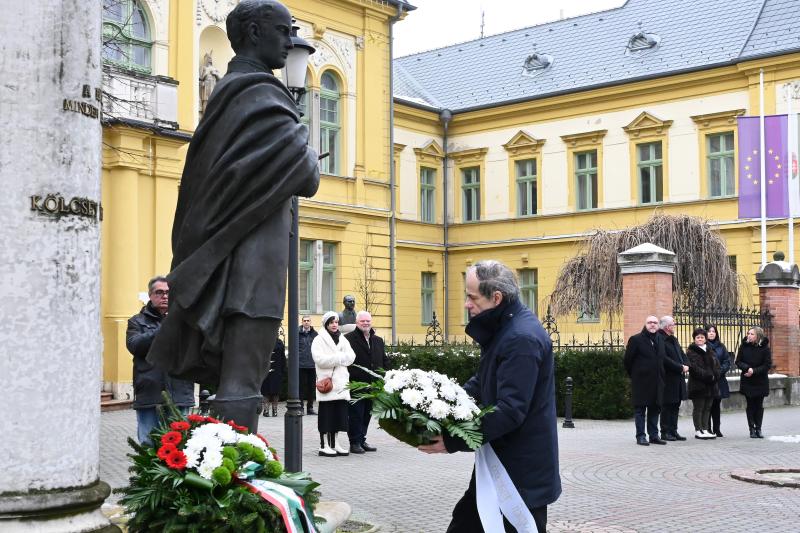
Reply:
x=296, y=517
x=497, y=496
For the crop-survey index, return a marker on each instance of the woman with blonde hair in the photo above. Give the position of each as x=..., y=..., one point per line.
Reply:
x=332, y=354
x=754, y=359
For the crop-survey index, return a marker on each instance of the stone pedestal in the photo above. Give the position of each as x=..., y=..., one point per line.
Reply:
x=779, y=292
x=647, y=272
x=50, y=267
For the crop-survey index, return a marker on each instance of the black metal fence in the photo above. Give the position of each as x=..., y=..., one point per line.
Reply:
x=609, y=340
x=732, y=325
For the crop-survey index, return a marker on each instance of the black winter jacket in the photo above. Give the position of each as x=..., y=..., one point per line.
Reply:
x=372, y=355
x=304, y=347
x=644, y=363
x=515, y=375
x=674, y=359
x=724, y=359
x=149, y=381
x=703, y=372
x=759, y=358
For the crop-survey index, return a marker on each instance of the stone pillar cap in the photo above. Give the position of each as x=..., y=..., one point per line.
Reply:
x=646, y=257
x=778, y=273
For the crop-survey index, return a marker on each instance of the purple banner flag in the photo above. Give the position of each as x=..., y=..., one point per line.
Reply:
x=776, y=180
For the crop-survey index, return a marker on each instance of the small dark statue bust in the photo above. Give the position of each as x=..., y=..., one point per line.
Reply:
x=230, y=238
x=348, y=314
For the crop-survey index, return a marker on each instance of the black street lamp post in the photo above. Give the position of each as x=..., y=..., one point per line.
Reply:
x=294, y=76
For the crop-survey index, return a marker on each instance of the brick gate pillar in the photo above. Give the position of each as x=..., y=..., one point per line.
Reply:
x=779, y=292
x=647, y=272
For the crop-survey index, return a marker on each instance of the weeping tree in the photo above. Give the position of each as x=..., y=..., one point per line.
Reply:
x=703, y=274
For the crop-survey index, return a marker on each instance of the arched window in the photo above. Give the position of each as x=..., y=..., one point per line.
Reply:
x=329, y=122
x=126, y=35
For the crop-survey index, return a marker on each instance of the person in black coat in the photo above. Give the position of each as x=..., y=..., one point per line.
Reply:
x=644, y=363
x=370, y=353
x=675, y=367
x=724, y=359
x=754, y=359
x=271, y=386
x=703, y=377
x=149, y=381
x=516, y=376
x=308, y=374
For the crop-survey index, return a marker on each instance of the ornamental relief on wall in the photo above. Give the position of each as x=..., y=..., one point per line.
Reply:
x=214, y=11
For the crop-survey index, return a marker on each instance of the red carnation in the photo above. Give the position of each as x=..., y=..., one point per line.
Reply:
x=196, y=418
x=171, y=437
x=180, y=426
x=212, y=420
x=265, y=441
x=177, y=460
x=165, y=451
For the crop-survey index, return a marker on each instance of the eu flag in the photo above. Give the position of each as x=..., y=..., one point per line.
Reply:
x=775, y=180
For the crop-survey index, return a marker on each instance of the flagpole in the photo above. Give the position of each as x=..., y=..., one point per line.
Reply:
x=763, y=183
x=789, y=170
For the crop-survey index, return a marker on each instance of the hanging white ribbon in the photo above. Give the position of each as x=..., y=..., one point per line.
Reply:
x=497, y=496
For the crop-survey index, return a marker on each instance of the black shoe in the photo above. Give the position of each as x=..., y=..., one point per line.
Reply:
x=356, y=448
x=757, y=431
x=266, y=413
x=718, y=433
x=274, y=411
x=656, y=440
x=310, y=411
x=642, y=441
x=669, y=437
x=753, y=433
x=367, y=448
x=678, y=436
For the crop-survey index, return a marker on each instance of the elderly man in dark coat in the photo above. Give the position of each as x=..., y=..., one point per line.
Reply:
x=516, y=376
x=645, y=366
x=675, y=368
x=230, y=238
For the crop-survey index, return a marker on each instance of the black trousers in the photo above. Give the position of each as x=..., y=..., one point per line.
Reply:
x=669, y=419
x=466, y=518
x=308, y=380
x=755, y=411
x=715, y=412
x=650, y=413
x=360, y=415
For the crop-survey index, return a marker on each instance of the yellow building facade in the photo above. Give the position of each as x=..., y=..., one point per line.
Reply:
x=523, y=179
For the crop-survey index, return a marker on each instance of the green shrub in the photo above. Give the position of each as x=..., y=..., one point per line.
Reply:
x=601, y=389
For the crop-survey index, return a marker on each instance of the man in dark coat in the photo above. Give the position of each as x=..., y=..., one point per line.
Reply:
x=308, y=373
x=675, y=368
x=148, y=381
x=645, y=366
x=516, y=376
x=370, y=353
x=230, y=238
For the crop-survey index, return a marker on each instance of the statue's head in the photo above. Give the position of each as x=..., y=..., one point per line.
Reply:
x=261, y=29
x=349, y=302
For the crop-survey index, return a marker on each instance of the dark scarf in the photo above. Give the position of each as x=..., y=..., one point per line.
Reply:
x=483, y=326
x=335, y=335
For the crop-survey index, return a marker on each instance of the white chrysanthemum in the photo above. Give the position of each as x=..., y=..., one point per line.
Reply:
x=438, y=409
x=411, y=397
x=430, y=393
x=211, y=460
x=448, y=391
x=462, y=412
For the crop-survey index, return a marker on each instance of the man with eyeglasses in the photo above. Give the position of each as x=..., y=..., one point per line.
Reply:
x=149, y=381
x=644, y=363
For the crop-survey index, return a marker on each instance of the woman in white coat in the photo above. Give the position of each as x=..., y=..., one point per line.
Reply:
x=332, y=354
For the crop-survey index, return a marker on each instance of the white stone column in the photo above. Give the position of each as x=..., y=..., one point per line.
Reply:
x=50, y=340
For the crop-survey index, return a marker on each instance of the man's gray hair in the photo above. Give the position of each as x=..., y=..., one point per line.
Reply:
x=153, y=281
x=244, y=13
x=363, y=313
x=495, y=276
x=665, y=321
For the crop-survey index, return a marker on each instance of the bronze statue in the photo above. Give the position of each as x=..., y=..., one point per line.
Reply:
x=230, y=238
x=348, y=314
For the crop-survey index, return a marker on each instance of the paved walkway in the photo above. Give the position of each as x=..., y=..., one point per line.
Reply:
x=610, y=483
